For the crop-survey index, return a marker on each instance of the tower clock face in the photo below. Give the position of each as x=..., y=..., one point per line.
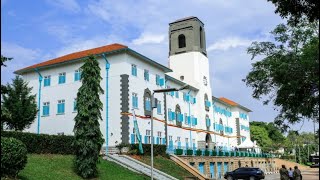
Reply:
x=205, y=82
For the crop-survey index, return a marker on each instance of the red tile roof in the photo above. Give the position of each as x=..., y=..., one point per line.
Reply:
x=76, y=55
x=228, y=101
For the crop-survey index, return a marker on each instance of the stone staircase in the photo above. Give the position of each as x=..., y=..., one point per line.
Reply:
x=138, y=166
x=188, y=167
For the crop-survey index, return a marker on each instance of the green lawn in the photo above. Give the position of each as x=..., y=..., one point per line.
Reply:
x=165, y=165
x=58, y=167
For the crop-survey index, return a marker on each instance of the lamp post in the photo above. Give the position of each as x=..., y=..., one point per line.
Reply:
x=154, y=105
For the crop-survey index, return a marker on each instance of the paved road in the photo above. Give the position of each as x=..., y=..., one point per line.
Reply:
x=306, y=175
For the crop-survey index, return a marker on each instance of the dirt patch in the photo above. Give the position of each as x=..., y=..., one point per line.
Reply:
x=137, y=157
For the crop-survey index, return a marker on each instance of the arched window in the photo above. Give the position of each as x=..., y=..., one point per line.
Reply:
x=208, y=122
x=182, y=41
x=179, y=116
x=147, y=102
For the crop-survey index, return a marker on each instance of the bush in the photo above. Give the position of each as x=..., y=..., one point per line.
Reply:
x=189, y=152
x=13, y=157
x=43, y=143
x=199, y=152
x=179, y=151
x=158, y=150
x=207, y=153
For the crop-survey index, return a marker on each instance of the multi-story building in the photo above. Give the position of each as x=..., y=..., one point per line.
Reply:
x=190, y=118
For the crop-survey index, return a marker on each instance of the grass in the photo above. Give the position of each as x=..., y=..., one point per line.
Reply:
x=57, y=167
x=165, y=165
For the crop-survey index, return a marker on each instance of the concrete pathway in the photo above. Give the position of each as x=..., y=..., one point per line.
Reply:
x=138, y=166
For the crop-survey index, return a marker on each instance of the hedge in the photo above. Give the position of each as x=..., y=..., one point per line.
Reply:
x=43, y=143
x=157, y=149
x=13, y=157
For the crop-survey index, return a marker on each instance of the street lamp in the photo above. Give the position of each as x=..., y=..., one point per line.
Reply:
x=154, y=105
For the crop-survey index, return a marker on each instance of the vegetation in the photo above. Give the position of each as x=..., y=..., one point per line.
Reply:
x=13, y=157
x=288, y=74
x=297, y=9
x=43, y=143
x=3, y=88
x=166, y=165
x=88, y=137
x=157, y=149
x=56, y=167
x=18, y=106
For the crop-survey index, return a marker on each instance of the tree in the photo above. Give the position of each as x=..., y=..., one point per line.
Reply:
x=296, y=9
x=18, y=106
x=288, y=74
x=88, y=138
x=260, y=135
x=3, y=60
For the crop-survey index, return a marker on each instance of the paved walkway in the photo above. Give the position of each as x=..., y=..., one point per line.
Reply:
x=138, y=166
x=306, y=175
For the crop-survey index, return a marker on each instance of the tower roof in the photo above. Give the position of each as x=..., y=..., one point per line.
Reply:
x=185, y=18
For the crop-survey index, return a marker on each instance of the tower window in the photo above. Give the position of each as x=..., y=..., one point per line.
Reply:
x=182, y=41
x=201, y=45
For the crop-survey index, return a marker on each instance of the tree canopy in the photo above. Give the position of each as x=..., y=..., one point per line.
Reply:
x=18, y=106
x=296, y=9
x=288, y=74
x=88, y=137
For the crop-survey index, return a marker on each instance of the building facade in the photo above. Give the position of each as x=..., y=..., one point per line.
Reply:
x=188, y=119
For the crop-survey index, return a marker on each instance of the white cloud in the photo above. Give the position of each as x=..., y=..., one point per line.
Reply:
x=229, y=42
x=69, y=5
x=149, y=38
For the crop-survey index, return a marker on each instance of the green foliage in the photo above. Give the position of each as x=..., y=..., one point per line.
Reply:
x=189, y=152
x=4, y=88
x=260, y=134
x=288, y=74
x=158, y=150
x=13, y=157
x=179, y=152
x=43, y=143
x=18, y=108
x=88, y=137
x=297, y=9
x=199, y=152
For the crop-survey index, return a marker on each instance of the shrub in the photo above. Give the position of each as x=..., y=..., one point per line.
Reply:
x=13, y=156
x=198, y=152
x=207, y=153
x=179, y=151
x=157, y=149
x=43, y=143
x=189, y=152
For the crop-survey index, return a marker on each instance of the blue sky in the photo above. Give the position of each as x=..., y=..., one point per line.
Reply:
x=38, y=30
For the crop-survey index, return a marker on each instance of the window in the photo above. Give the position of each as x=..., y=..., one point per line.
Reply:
x=159, y=107
x=148, y=137
x=62, y=78
x=74, y=105
x=148, y=104
x=134, y=100
x=159, y=133
x=134, y=70
x=148, y=132
x=146, y=75
x=170, y=138
x=159, y=138
x=201, y=44
x=157, y=80
x=177, y=94
x=182, y=41
x=187, y=140
x=178, y=139
x=186, y=121
x=46, y=109
x=47, y=81
x=77, y=75
x=61, y=106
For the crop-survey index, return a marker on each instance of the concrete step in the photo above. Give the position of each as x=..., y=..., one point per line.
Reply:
x=138, y=166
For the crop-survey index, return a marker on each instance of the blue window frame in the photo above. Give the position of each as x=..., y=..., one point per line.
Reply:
x=161, y=82
x=74, y=105
x=47, y=81
x=148, y=104
x=62, y=78
x=46, y=109
x=77, y=75
x=159, y=107
x=134, y=100
x=146, y=75
x=157, y=79
x=61, y=106
x=134, y=70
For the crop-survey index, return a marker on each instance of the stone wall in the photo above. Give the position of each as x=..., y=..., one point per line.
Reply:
x=266, y=164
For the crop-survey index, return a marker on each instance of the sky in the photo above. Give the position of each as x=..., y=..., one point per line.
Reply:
x=39, y=30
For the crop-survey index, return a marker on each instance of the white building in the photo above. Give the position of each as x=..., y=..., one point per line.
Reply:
x=191, y=118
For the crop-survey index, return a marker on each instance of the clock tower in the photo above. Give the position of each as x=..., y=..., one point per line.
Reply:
x=188, y=59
